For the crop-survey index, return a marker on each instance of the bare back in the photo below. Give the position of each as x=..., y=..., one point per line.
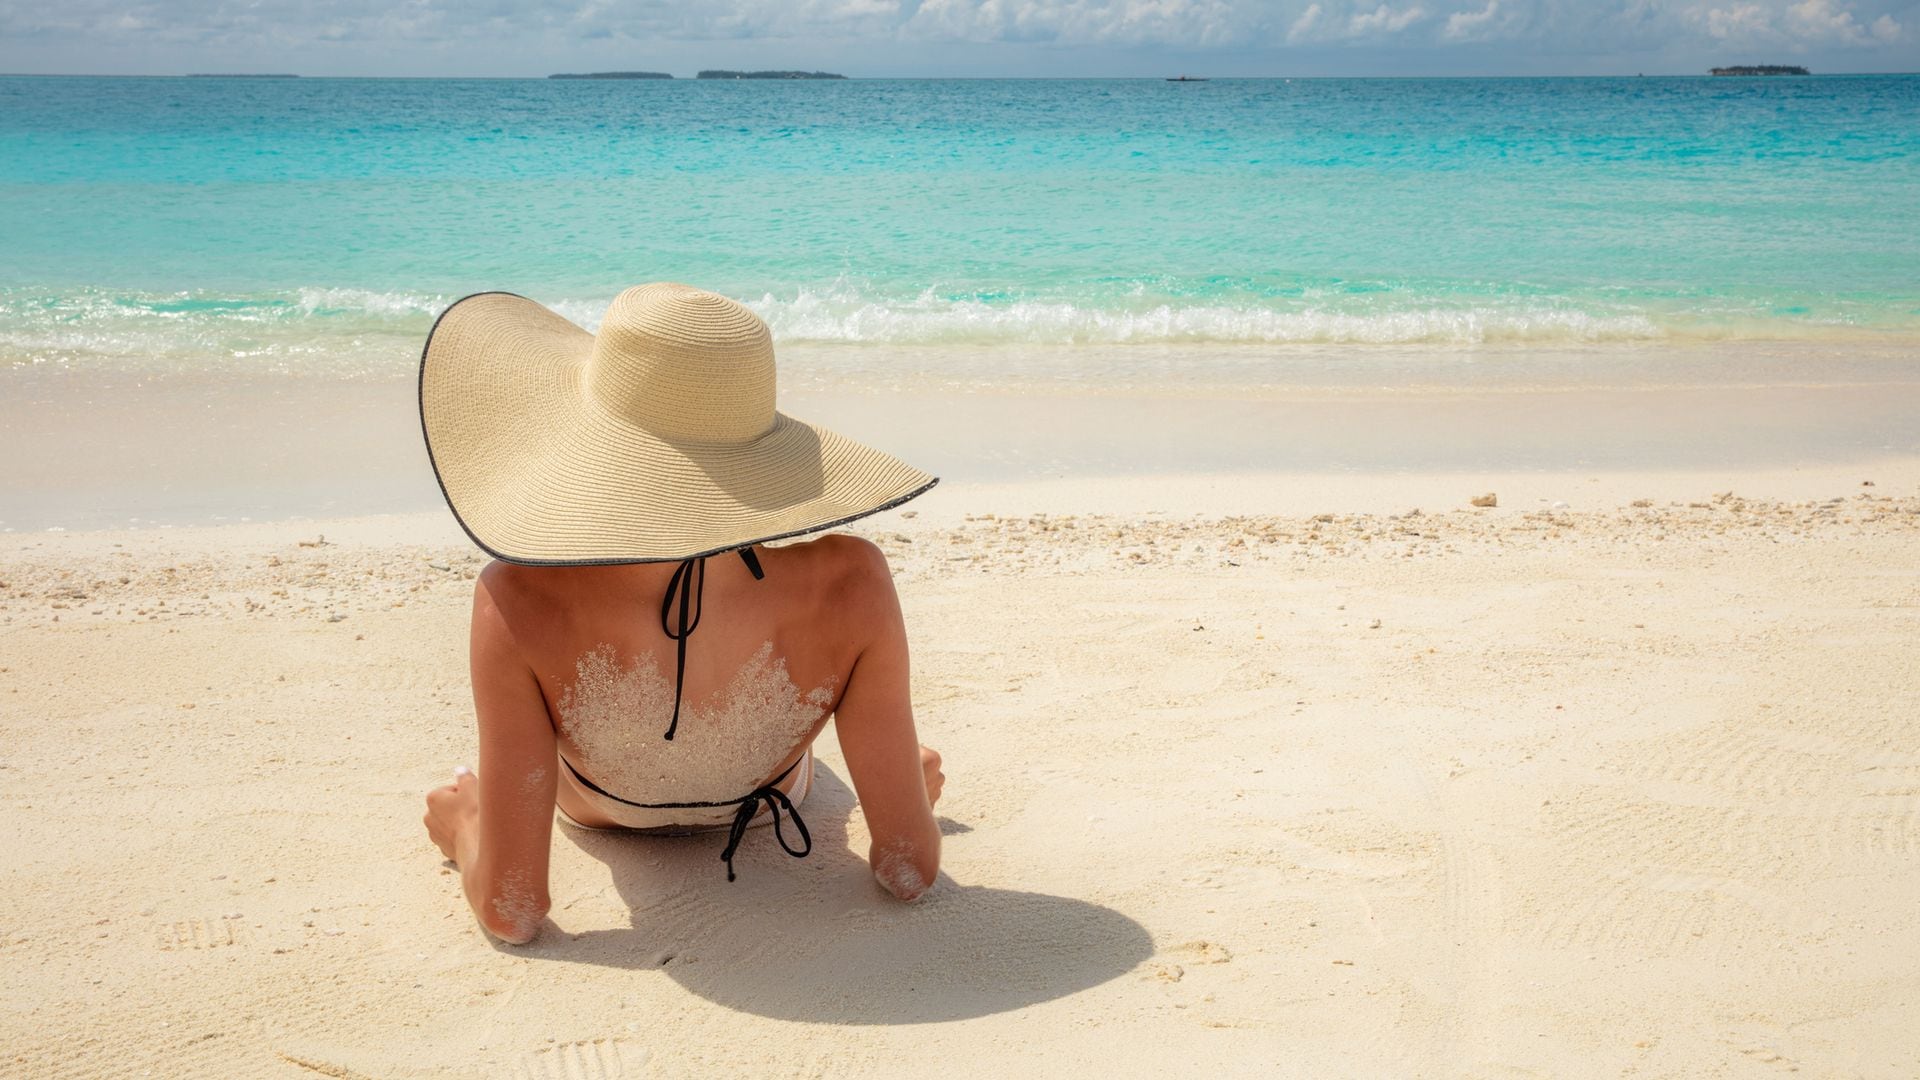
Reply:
x=765, y=667
x=576, y=661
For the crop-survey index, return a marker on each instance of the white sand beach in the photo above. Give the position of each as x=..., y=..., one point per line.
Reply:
x=1424, y=579
x=1249, y=775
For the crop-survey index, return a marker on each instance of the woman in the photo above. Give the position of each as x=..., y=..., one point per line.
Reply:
x=623, y=483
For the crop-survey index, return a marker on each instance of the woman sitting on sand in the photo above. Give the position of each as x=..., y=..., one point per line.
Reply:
x=623, y=482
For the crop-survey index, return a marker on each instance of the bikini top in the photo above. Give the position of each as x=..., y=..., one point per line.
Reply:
x=677, y=621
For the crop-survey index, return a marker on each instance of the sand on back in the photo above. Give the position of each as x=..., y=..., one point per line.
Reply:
x=617, y=716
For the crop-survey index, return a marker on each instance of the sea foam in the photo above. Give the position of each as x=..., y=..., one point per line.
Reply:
x=351, y=332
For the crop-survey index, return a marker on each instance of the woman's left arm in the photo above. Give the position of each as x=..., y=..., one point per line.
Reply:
x=498, y=826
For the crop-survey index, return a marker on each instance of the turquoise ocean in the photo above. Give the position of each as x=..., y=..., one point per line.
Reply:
x=317, y=225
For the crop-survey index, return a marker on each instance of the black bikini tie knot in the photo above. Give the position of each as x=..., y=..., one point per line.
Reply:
x=776, y=801
x=749, y=804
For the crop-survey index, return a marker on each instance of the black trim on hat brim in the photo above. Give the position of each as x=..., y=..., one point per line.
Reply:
x=420, y=397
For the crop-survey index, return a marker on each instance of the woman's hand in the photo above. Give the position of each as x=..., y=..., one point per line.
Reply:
x=452, y=812
x=930, y=767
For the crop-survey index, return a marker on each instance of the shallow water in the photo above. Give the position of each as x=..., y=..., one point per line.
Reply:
x=316, y=225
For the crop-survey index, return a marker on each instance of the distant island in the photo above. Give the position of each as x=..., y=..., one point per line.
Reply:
x=1762, y=69
x=614, y=75
x=235, y=75
x=719, y=74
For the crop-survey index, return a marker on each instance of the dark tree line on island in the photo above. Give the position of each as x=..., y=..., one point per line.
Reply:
x=1762, y=69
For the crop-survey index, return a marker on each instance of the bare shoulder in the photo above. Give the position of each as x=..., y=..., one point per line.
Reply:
x=504, y=596
x=512, y=585
x=846, y=570
x=499, y=584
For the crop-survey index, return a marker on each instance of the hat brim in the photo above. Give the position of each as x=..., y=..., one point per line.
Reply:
x=537, y=473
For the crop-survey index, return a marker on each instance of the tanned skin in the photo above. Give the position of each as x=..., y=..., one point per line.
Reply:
x=830, y=610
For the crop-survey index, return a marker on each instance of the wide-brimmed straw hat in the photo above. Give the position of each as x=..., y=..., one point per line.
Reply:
x=656, y=439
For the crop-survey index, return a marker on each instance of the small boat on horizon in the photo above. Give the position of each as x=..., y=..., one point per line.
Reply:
x=1185, y=78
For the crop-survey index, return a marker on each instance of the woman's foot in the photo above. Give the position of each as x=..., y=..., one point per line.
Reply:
x=453, y=809
x=930, y=764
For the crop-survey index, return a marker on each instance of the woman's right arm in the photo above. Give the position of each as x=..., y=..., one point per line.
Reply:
x=503, y=856
x=874, y=721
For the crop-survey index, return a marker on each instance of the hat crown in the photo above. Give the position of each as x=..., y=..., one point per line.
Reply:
x=684, y=364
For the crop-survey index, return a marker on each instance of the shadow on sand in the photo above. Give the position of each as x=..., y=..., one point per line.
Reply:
x=818, y=940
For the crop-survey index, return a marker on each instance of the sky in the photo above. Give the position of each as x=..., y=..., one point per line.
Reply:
x=929, y=38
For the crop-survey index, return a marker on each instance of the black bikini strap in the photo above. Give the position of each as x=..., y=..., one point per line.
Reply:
x=689, y=582
x=749, y=804
x=598, y=790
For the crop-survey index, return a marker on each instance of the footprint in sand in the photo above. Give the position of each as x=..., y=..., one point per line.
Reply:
x=1170, y=964
x=1198, y=952
x=195, y=934
x=590, y=1059
x=1766, y=1055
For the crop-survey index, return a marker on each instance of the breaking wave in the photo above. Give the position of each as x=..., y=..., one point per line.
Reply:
x=346, y=330
x=928, y=320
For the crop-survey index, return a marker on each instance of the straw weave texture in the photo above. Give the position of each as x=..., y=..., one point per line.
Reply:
x=656, y=440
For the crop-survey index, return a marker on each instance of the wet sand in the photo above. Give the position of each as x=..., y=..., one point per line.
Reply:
x=164, y=447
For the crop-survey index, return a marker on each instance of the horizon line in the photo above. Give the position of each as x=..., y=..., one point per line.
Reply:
x=944, y=78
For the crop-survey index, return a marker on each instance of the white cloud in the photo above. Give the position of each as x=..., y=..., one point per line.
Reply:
x=1796, y=24
x=1303, y=27
x=1468, y=25
x=1327, y=22
x=865, y=8
x=1191, y=23
x=1384, y=19
x=866, y=36
x=1739, y=22
x=1820, y=19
